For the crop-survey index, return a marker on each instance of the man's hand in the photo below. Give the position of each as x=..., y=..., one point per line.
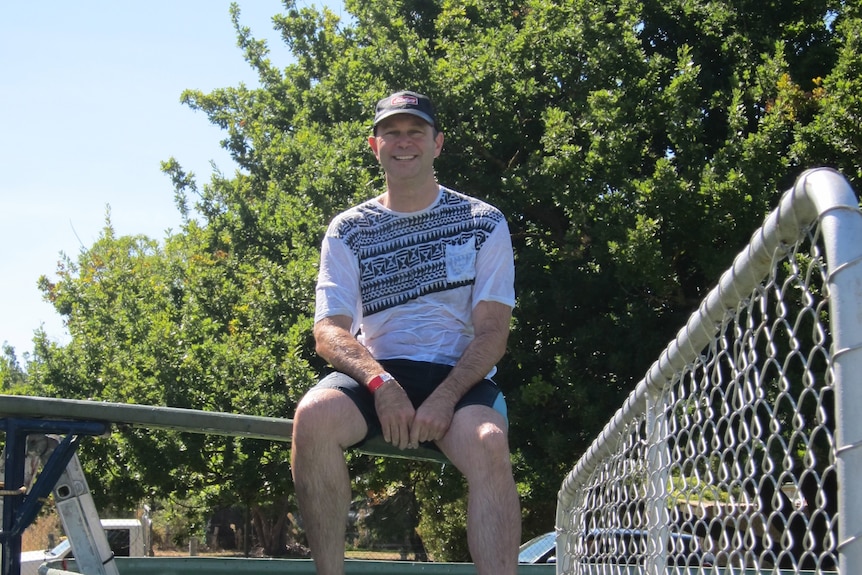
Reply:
x=433, y=418
x=395, y=413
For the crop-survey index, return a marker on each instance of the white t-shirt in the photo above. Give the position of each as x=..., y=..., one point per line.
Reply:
x=410, y=281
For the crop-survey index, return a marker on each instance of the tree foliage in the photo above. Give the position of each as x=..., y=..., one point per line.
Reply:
x=12, y=375
x=633, y=144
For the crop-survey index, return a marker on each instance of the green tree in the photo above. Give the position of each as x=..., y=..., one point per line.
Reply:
x=634, y=146
x=186, y=325
x=12, y=375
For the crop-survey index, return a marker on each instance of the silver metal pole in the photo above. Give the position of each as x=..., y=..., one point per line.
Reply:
x=841, y=226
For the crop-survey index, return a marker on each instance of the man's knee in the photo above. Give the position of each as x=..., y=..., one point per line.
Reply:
x=327, y=414
x=318, y=408
x=494, y=441
x=478, y=442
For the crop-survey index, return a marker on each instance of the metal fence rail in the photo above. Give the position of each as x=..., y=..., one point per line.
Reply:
x=741, y=449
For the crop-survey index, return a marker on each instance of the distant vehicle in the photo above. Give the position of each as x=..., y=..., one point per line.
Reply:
x=622, y=546
x=629, y=547
x=125, y=536
x=31, y=560
x=541, y=549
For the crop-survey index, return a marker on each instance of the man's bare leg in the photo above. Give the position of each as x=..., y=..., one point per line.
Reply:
x=326, y=421
x=477, y=445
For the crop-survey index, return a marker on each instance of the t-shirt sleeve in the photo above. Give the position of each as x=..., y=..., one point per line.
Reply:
x=337, y=291
x=495, y=269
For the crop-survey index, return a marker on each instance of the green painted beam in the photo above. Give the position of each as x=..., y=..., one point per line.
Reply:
x=148, y=416
x=181, y=419
x=241, y=566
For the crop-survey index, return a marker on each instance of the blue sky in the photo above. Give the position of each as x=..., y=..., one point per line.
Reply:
x=89, y=107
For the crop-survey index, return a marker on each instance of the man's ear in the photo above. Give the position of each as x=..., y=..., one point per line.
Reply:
x=438, y=144
x=372, y=141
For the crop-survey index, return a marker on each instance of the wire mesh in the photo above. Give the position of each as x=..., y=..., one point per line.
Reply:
x=730, y=467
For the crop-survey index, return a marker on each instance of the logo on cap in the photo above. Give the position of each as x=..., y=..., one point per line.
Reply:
x=404, y=99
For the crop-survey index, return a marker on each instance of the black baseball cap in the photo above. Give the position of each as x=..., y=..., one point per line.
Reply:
x=405, y=102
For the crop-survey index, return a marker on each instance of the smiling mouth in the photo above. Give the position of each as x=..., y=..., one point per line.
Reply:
x=404, y=157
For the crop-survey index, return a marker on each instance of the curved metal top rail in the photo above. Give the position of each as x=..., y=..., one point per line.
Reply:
x=817, y=193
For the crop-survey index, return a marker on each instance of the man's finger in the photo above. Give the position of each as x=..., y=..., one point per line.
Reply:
x=414, y=436
x=408, y=432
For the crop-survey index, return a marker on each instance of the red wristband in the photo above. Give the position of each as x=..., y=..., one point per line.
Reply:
x=378, y=380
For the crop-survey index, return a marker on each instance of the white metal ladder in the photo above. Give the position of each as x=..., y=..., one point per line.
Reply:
x=75, y=506
x=81, y=522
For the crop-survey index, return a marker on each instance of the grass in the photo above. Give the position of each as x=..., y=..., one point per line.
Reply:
x=38, y=535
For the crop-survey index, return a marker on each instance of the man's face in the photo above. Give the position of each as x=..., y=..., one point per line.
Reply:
x=406, y=147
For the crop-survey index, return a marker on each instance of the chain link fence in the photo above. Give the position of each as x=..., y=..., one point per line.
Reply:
x=728, y=456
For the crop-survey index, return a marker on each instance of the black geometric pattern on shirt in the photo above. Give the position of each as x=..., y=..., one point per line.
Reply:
x=402, y=258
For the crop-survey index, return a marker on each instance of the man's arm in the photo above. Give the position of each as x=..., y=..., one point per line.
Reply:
x=335, y=344
x=491, y=331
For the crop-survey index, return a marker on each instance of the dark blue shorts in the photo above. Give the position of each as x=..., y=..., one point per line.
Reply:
x=418, y=379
